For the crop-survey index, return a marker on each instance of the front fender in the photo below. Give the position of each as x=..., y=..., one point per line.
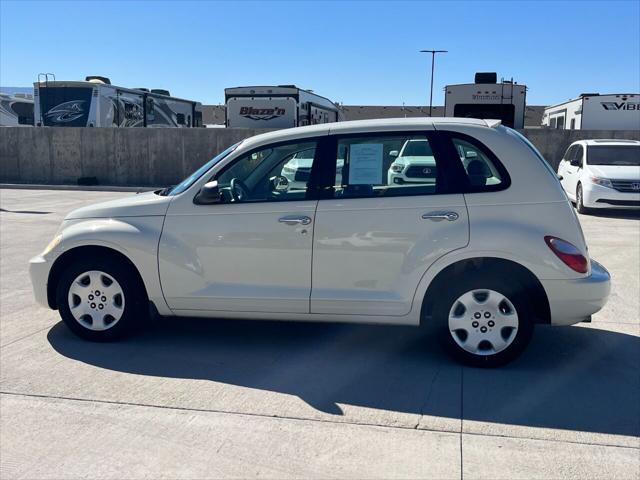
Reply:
x=134, y=237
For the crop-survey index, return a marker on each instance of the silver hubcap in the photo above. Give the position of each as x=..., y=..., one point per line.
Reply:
x=483, y=322
x=96, y=300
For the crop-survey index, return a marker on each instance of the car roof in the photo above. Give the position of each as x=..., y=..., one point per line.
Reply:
x=356, y=126
x=607, y=141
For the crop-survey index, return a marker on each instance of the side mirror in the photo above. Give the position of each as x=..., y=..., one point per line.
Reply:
x=208, y=194
x=560, y=177
x=394, y=153
x=279, y=183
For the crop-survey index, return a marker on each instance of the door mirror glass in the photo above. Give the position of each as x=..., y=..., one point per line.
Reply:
x=208, y=194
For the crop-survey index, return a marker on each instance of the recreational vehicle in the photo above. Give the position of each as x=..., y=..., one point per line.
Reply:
x=16, y=110
x=592, y=111
x=282, y=106
x=487, y=99
x=97, y=103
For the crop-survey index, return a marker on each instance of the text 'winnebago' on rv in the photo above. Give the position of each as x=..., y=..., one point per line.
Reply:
x=487, y=99
x=592, y=111
x=282, y=106
x=97, y=103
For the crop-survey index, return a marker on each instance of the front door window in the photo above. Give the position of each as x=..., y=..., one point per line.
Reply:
x=274, y=173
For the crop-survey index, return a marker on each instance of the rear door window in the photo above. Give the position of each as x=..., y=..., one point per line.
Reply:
x=387, y=164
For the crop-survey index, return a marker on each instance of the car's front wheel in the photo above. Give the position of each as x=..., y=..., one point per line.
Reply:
x=485, y=321
x=100, y=299
x=580, y=201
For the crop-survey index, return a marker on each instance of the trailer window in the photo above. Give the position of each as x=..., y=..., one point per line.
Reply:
x=180, y=118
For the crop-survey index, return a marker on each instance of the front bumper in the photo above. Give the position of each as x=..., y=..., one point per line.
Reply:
x=597, y=196
x=39, y=268
x=572, y=301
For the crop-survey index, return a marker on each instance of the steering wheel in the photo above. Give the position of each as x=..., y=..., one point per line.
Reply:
x=239, y=191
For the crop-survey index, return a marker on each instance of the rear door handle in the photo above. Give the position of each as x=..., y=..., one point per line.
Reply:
x=295, y=220
x=438, y=216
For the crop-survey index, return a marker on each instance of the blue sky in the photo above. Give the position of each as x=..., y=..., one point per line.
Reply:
x=352, y=52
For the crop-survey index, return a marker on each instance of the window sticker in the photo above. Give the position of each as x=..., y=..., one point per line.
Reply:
x=365, y=164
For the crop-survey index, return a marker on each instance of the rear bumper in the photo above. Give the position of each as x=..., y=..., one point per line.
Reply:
x=572, y=301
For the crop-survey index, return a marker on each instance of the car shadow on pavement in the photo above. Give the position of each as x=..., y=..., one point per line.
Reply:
x=572, y=378
x=612, y=213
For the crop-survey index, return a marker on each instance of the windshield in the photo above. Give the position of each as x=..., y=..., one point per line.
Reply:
x=417, y=148
x=191, y=179
x=621, y=155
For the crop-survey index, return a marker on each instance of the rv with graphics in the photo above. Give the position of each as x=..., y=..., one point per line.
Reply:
x=592, y=111
x=16, y=110
x=97, y=103
x=282, y=106
x=486, y=98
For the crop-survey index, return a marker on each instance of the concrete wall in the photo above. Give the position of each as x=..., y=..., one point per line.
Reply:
x=553, y=143
x=116, y=156
x=140, y=157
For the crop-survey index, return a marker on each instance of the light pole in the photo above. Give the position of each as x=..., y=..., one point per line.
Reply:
x=433, y=62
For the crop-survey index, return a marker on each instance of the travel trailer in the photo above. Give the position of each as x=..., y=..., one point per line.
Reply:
x=282, y=106
x=16, y=110
x=487, y=99
x=592, y=111
x=96, y=103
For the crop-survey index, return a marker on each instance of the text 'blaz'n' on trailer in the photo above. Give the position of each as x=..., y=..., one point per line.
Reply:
x=282, y=106
x=95, y=102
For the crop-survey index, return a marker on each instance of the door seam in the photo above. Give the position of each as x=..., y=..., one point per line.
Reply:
x=313, y=242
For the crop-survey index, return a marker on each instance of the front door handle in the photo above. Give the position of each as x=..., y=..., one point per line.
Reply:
x=295, y=220
x=438, y=216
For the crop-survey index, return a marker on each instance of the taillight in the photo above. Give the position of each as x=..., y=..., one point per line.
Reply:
x=568, y=253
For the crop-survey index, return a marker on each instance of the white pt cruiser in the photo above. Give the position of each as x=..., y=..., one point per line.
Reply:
x=483, y=252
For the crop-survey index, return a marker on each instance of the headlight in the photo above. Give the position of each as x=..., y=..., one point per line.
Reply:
x=52, y=244
x=603, y=182
x=396, y=168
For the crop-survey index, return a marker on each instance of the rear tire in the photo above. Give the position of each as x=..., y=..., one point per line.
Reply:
x=580, y=201
x=101, y=299
x=484, y=320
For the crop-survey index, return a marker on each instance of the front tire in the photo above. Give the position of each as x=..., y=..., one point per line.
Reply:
x=580, y=201
x=484, y=320
x=101, y=299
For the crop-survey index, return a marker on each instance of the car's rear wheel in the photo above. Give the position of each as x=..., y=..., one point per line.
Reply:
x=100, y=299
x=580, y=201
x=485, y=321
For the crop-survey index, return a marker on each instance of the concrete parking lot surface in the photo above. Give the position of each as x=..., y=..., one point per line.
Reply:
x=214, y=399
